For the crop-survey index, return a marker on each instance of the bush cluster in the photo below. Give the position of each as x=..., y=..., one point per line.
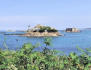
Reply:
x=27, y=58
x=46, y=28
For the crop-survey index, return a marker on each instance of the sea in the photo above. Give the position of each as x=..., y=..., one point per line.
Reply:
x=66, y=44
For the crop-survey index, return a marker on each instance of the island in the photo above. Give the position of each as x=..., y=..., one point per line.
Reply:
x=41, y=31
x=72, y=30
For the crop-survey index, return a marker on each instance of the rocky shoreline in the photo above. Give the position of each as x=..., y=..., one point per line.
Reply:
x=44, y=31
x=43, y=34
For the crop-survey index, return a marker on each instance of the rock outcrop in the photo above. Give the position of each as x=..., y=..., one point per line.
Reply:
x=40, y=31
x=43, y=34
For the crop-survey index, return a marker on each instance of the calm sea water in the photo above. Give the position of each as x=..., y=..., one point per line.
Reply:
x=66, y=43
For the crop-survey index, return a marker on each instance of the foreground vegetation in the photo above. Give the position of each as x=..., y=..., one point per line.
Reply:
x=27, y=58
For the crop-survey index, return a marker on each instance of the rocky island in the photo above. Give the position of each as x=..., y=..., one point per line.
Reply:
x=41, y=31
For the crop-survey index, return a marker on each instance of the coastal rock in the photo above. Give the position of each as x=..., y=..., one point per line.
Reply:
x=42, y=31
x=43, y=34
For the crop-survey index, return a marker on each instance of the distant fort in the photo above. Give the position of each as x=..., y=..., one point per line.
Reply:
x=72, y=30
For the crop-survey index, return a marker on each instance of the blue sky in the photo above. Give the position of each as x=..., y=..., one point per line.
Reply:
x=18, y=14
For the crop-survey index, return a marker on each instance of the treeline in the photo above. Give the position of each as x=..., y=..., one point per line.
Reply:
x=27, y=58
x=46, y=28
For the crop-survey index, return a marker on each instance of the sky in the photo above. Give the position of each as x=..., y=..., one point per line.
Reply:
x=60, y=14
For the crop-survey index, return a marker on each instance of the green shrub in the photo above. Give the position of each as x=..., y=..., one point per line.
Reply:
x=28, y=59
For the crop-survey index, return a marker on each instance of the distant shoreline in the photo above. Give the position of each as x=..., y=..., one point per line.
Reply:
x=23, y=35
